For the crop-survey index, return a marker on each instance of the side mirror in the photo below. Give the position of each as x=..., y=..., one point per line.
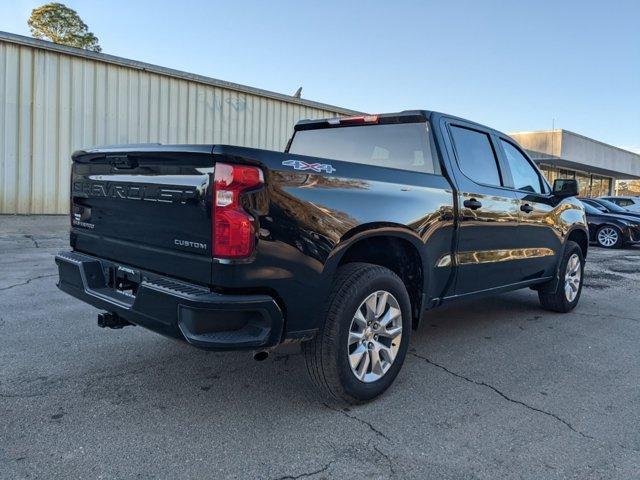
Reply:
x=565, y=187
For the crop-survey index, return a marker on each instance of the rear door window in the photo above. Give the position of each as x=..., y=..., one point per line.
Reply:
x=476, y=157
x=406, y=146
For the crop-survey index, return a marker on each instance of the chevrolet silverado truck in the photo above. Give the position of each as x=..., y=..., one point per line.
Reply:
x=341, y=243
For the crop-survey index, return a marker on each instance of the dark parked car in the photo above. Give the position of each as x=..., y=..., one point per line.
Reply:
x=611, y=230
x=609, y=207
x=342, y=242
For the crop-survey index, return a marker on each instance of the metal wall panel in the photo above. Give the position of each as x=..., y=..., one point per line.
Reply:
x=53, y=102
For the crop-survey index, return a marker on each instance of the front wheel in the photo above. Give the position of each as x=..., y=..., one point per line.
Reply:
x=360, y=349
x=609, y=237
x=571, y=274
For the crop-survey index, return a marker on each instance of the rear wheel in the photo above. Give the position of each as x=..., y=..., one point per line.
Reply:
x=609, y=237
x=360, y=349
x=571, y=274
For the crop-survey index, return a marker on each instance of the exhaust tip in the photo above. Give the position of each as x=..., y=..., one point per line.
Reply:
x=260, y=356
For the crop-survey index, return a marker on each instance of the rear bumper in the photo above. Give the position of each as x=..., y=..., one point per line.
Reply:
x=177, y=309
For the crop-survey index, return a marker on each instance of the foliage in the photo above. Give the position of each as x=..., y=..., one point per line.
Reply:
x=628, y=187
x=61, y=24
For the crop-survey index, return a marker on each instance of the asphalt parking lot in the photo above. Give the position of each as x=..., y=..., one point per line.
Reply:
x=496, y=388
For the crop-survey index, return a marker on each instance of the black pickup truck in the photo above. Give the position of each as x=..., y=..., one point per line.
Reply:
x=341, y=243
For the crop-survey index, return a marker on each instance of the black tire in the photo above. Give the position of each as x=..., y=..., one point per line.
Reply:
x=557, y=300
x=617, y=244
x=327, y=354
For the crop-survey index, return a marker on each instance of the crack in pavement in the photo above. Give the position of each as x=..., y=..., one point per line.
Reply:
x=30, y=237
x=509, y=399
x=90, y=381
x=22, y=395
x=306, y=474
x=364, y=422
x=387, y=458
x=28, y=281
x=606, y=315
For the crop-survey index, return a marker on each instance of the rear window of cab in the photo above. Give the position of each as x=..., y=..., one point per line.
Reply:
x=405, y=146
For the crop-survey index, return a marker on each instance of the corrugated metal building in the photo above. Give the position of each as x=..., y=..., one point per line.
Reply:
x=56, y=99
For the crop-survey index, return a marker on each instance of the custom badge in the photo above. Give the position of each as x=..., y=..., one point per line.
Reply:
x=316, y=167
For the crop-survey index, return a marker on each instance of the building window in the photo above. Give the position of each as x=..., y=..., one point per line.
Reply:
x=600, y=186
x=562, y=173
x=590, y=185
x=584, y=184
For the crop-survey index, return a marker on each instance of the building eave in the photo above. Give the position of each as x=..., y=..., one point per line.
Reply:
x=126, y=62
x=581, y=167
x=583, y=153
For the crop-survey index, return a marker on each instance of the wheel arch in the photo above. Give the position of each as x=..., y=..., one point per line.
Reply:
x=577, y=234
x=581, y=237
x=389, y=246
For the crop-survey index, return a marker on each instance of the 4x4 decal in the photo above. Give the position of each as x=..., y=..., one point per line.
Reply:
x=316, y=167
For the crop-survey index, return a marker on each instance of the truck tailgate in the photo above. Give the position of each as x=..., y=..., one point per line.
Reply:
x=145, y=206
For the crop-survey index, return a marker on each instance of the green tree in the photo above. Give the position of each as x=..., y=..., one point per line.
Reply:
x=61, y=24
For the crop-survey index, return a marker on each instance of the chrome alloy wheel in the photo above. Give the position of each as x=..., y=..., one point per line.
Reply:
x=572, y=278
x=607, y=237
x=374, y=336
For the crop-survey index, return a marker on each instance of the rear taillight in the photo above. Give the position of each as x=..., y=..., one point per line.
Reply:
x=233, y=229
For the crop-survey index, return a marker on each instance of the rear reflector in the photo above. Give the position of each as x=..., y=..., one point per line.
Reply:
x=233, y=228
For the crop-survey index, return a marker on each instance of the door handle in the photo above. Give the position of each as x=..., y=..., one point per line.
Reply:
x=526, y=208
x=472, y=203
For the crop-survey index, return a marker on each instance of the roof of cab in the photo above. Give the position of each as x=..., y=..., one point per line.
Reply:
x=393, y=117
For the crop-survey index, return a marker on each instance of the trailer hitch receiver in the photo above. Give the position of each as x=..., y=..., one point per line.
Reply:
x=111, y=320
